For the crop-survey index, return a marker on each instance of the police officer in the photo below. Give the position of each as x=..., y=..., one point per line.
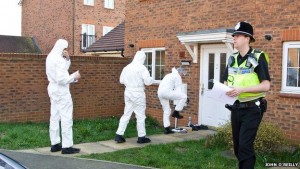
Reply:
x=248, y=75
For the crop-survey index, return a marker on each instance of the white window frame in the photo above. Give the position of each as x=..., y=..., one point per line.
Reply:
x=284, y=87
x=107, y=29
x=109, y=4
x=153, y=51
x=88, y=2
x=89, y=30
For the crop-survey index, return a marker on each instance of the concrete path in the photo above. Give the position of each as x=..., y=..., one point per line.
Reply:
x=111, y=145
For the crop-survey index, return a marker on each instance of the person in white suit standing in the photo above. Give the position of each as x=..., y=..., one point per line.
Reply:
x=170, y=88
x=57, y=66
x=134, y=76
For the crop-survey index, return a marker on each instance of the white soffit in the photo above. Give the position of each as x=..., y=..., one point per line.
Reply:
x=106, y=54
x=191, y=39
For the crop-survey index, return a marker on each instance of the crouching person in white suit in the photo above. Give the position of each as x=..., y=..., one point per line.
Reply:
x=170, y=88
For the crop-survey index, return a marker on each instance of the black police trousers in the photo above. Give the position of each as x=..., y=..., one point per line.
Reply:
x=245, y=123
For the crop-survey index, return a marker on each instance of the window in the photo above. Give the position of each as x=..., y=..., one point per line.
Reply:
x=155, y=62
x=88, y=36
x=88, y=2
x=291, y=67
x=110, y=4
x=107, y=29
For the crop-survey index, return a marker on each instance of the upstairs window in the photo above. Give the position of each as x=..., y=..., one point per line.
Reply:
x=155, y=62
x=291, y=68
x=88, y=2
x=110, y=4
x=107, y=29
x=88, y=36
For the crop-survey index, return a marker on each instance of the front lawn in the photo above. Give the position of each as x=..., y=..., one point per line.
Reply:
x=187, y=155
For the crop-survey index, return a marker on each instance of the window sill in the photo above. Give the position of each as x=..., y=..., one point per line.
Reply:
x=290, y=95
x=91, y=5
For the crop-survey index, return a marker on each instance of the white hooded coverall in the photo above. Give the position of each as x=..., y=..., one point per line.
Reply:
x=135, y=76
x=170, y=88
x=60, y=97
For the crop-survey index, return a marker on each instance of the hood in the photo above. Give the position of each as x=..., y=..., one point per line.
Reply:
x=139, y=57
x=59, y=46
x=174, y=70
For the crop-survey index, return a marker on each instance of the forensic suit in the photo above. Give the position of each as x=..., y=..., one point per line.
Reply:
x=170, y=88
x=135, y=76
x=60, y=97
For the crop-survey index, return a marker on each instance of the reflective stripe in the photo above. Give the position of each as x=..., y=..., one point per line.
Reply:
x=239, y=70
x=250, y=98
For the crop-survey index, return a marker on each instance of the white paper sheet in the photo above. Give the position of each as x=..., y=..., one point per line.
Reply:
x=218, y=92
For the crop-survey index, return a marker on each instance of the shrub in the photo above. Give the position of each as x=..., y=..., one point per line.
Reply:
x=222, y=137
x=269, y=137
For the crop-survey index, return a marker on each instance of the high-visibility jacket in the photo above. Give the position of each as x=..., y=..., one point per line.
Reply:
x=244, y=75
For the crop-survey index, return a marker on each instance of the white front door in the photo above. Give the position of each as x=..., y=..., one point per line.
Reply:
x=212, y=66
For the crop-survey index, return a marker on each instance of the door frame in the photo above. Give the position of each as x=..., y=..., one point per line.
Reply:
x=202, y=49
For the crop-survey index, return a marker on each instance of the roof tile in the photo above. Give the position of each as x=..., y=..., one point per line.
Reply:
x=18, y=44
x=112, y=41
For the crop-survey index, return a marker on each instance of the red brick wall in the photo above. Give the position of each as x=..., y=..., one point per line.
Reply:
x=48, y=21
x=149, y=21
x=23, y=87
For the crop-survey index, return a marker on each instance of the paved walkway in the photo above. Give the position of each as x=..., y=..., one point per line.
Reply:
x=111, y=145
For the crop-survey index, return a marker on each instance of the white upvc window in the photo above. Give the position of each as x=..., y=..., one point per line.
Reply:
x=110, y=4
x=291, y=67
x=88, y=2
x=88, y=36
x=155, y=62
x=107, y=29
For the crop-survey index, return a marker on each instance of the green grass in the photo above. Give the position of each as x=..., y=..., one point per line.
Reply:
x=15, y=136
x=105, y=129
x=188, y=154
x=23, y=135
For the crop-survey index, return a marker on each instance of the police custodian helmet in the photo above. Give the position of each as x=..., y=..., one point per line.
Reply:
x=244, y=28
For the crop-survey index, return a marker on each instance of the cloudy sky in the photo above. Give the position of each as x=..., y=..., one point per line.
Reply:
x=10, y=17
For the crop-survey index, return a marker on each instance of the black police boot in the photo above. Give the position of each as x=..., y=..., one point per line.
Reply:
x=177, y=115
x=142, y=140
x=168, y=130
x=55, y=148
x=70, y=150
x=119, y=139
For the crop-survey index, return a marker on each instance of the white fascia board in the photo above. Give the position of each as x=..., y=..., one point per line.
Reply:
x=106, y=54
x=205, y=38
x=195, y=39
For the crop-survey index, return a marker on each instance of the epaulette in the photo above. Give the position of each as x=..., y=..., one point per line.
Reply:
x=257, y=51
x=235, y=53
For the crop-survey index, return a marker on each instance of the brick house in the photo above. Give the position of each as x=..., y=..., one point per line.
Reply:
x=196, y=34
x=79, y=22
